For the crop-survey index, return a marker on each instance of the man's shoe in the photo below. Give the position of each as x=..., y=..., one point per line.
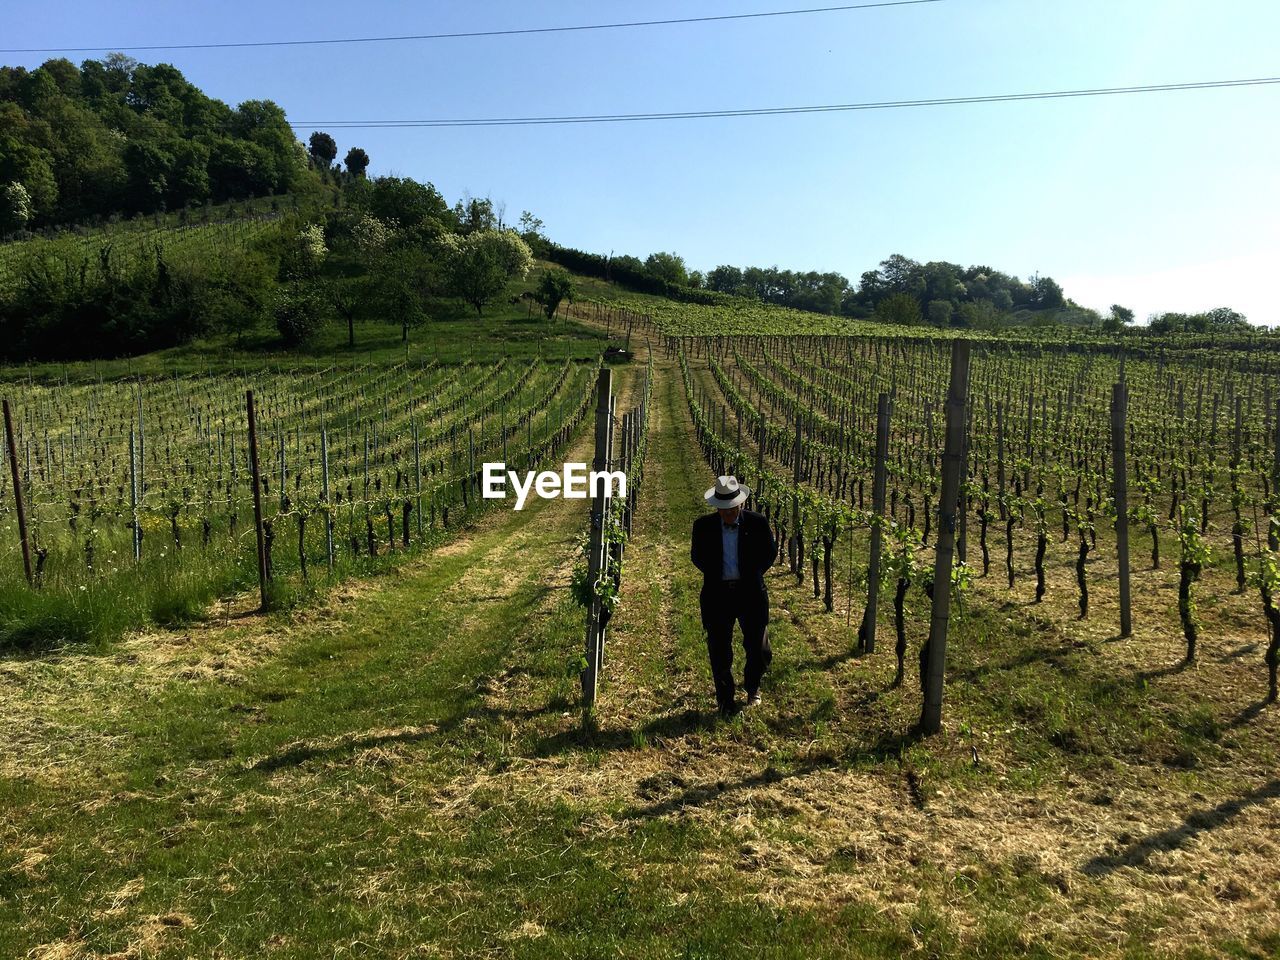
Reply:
x=753, y=700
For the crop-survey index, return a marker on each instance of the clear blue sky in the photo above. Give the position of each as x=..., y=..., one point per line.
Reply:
x=1158, y=201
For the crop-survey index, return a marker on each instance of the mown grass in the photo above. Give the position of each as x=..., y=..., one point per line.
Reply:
x=404, y=775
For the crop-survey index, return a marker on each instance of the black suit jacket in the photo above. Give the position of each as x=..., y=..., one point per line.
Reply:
x=756, y=550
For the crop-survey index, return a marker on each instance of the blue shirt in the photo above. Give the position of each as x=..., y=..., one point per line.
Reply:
x=729, y=539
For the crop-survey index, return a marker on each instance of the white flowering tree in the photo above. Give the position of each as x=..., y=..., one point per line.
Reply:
x=479, y=265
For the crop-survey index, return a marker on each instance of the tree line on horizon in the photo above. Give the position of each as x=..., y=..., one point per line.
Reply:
x=900, y=291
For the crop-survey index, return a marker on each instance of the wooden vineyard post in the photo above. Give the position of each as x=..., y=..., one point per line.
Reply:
x=1120, y=479
x=867, y=632
x=595, y=550
x=324, y=495
x=952, y=469
x=17, y=493
x=257, y=497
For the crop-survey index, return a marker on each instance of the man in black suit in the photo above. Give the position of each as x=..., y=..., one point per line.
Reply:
x=733, y=548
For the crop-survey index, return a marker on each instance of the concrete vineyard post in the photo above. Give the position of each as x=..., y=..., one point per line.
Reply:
x=257, y=496
x=595, y=549
x=17, y=493
x=133, y=496
x=606, y=555
x=952, y=469
x=324, y=495
x=1120, y=477
x=867, y=633
x=1272, y=536
x=793, y=551
x=417, y=477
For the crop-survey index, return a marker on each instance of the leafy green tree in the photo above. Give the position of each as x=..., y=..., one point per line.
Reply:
x=475, y=214
x=418, y=208
x=979, y=315
x=356, y=162
x=554, y=287
x=298, y=314
x=322, y=149
x=530, y=228
x=940, y=313
x=667, y=266
x=899, y=308
x=1046, y=294
x=478, y=266
x=1118, y=319
x=724, y=279
x=404, y=280
x=150, y=168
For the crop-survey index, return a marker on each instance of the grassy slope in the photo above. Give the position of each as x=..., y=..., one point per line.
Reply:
x=399, y=772
x=503, y=329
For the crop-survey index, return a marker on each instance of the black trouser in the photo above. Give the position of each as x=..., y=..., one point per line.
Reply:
x=723, y=605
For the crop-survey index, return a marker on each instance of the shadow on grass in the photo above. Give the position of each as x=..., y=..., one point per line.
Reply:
x=301, y=753
x=888, y=747
x=1249, y=713
x=1146, y=676
x=1197, y=822
x=669, y=726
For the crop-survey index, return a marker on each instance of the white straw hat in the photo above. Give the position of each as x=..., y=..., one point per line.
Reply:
x=727, y=493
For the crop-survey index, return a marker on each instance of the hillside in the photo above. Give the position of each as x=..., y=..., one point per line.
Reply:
x=115, y=137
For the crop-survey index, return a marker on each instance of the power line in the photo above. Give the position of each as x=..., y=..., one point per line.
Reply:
x=780, y=111
x=474, y=33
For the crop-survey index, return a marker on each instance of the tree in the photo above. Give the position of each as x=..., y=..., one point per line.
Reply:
x=357, y=162
x=1118, y=319
x=150, y=169
x=1046, y=294
x=418, y=208
x=297, y=313
x=403, y=282
x=15, y=208
x=899, y=308
x=554, y=287
x=940, y=313
x=475, y=214
x=530, y=228
x=323, y=149
x=478, y=266
x=667, y=266
x=531, y=233
x=724, y=279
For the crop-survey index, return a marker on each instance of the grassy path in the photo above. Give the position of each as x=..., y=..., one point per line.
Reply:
x=400, y=772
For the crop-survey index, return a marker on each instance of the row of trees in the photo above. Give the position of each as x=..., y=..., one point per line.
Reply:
x=899, y=291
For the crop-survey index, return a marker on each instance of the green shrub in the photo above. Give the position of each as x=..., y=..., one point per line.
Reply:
x=299, y=314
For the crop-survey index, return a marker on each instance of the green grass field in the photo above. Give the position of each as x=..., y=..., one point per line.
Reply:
x=398, y=768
